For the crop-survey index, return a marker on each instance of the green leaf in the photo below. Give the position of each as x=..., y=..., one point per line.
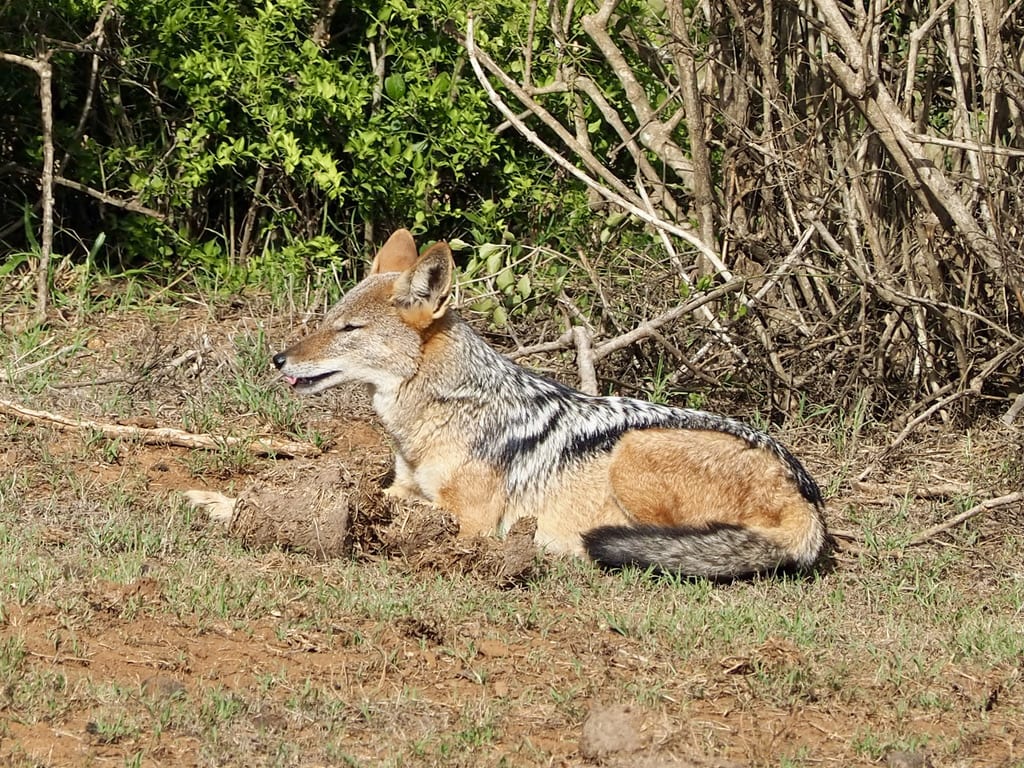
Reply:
x=394, y=86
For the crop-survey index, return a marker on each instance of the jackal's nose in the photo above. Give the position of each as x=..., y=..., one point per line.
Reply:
x=279, y=359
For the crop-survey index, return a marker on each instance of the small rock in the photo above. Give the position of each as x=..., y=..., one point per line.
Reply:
x=609, y=730
x=162, y=687
x=901, y=759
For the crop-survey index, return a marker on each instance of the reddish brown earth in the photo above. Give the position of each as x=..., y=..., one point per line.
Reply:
x=550, y=677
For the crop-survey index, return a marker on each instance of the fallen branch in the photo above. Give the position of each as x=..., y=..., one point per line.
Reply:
x=985, y=506
x=261, y=446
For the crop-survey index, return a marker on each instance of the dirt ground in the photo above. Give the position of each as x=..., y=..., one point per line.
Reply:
x=397, y=644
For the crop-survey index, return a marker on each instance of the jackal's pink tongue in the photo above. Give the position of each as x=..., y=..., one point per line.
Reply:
x=291, y=380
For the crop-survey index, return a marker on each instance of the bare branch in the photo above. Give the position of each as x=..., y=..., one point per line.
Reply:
x=262, y=446
x=654, y=134
x=41, y=66
x=623, y=200
x=985, y=506
x=132, y=206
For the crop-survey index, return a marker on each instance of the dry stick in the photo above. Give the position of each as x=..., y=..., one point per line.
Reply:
x=988, y=504
x=582, y=337
x=645, y=329
x=41, y=66
x=901, y=299
x=975, y=146
x=528, y=46
x=115, y=202
x=378, y=64
x=641, y=332
x=911, y=426
x=852, y=541
x=654, y=134
x=128, y=205
x=622, y=200
x=560, y=344
x=684, y=363
x=1014, y=410
x=261, y=446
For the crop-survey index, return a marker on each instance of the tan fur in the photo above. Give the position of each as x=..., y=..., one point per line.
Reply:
x=579, y=502
x=726, y=480
x=476, y=496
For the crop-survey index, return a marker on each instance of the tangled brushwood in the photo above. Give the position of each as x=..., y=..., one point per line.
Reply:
x=848, y=181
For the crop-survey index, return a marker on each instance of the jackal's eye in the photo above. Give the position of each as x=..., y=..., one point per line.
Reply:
x=349, y=327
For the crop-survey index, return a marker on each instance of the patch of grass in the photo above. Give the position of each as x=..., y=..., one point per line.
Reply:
x=111, y=725
x=876, y=745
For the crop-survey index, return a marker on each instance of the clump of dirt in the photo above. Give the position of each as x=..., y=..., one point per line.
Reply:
x=312, y=511
x=310, y=520
x=332, y=512
x=428, y=539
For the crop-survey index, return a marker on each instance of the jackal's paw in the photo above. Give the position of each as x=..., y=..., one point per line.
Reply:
x=404, y=492
x=219, y=507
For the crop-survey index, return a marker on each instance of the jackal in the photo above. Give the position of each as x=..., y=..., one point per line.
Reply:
x=624, y=481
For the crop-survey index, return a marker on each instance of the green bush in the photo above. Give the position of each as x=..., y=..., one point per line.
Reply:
x=258, y=127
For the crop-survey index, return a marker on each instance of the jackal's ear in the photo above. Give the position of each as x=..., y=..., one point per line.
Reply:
x=422, y=292
x=397, y=254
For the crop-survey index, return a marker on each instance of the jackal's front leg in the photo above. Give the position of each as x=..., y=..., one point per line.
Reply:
x=404, y=485
x=476, y=495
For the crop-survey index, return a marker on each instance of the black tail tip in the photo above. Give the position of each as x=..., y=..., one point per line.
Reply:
x=609, y=547
x=720, y=552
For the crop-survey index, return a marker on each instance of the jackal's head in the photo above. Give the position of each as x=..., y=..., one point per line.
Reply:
x=375, y=334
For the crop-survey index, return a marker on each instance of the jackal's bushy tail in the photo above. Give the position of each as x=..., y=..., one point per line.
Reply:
x=721, y=551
